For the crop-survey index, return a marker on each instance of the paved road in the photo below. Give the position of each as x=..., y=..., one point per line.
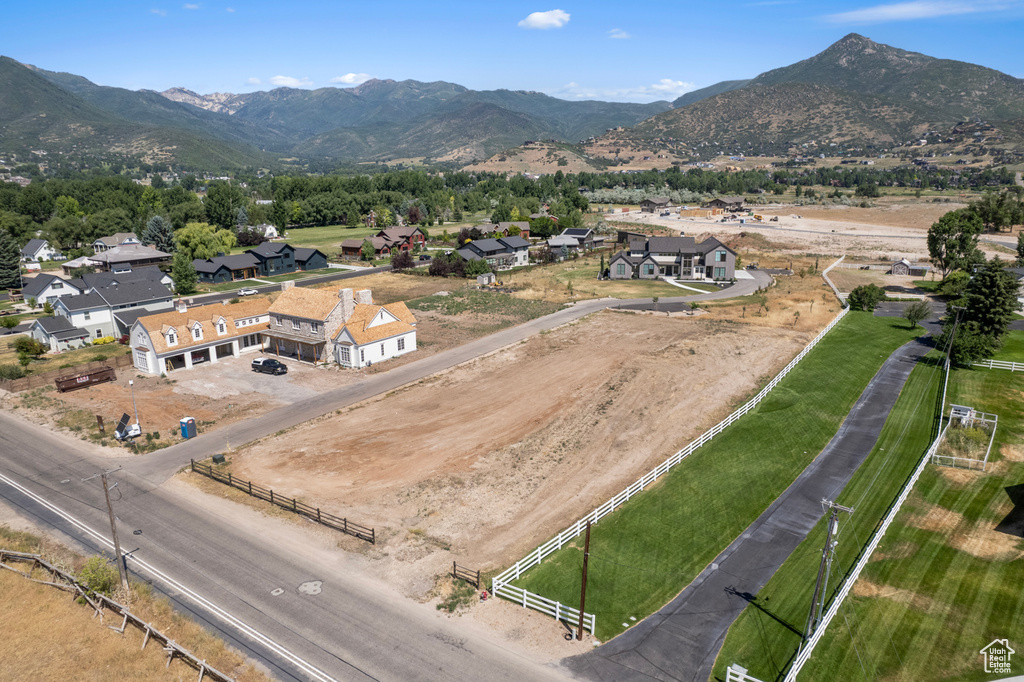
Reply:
x=206, y=299
x=348, y=625
x=681, y=641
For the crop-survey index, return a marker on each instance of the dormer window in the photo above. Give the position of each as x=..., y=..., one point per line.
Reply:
x=197, y=331
x=221, y=327
x=295, y=325
x=172, y=339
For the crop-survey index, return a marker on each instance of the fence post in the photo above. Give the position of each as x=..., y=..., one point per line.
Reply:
x=318, y=515
x=294, y=503
x=250, y=488
x=373, y=536
x=271, y=496
x=229, y=478
x=193, y=464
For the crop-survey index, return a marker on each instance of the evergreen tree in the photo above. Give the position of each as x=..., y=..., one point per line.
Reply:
x=988, y=305
x=1020, y=249
x=159, y=233
x=10, y=262
x=241, y=218
x=184, y=274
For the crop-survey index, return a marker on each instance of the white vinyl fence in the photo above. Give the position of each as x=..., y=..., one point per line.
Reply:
x=805, y=653
x=835, y=290
x=500, y=584
x=1001, y=364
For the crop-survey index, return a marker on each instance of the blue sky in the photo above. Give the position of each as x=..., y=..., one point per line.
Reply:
x=620, y=51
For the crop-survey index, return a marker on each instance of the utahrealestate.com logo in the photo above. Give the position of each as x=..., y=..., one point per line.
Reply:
x=997, y=656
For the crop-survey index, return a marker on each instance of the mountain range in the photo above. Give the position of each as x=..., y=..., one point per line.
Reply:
x=856, y=92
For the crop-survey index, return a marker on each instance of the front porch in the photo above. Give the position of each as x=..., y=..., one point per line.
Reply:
x=309, y=350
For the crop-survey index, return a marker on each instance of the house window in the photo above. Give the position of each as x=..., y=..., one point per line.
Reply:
x=719, y=256
x=87, y=315
x=141, y=360
x=221, y=329
x=99, y=333
x=382, y=350
x=278, y=320
x=314, y=327
x=197, y=332
x=649, y=269
x=620, y=269
x=719, y=273
x=172, y=340
x=295, y=325
x=362, y=356
x=401, y=344
x=345, y=357
x=56, y=285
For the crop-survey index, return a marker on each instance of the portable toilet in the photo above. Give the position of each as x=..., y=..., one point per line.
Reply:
x=188, y=427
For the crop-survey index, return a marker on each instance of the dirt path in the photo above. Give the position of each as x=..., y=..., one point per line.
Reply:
x=483, y=462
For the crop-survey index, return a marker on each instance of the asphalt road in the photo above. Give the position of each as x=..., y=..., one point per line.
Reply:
x=682, y=640
x=206, y=299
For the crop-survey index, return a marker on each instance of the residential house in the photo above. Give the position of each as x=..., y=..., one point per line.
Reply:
x=95, y=309
x=117, y=239
x=59, y=333
x=655, y=204
x=223, y=268
x=353, y=248
x=504, y=229
x=98, y=280
x=38, y=250
x=386, y=241
x=576, y=239
x=276, y=258
x=318, y=325
x=627, y=236
x=726, y=203
x=501, y=254
x=128, y=256
x=184, y=337
x=679, y=257
x=45, y=288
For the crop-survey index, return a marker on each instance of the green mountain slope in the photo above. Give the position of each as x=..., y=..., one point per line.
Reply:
x=710, y=91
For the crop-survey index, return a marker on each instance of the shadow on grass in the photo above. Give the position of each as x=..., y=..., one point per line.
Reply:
x=752, y=600
x=1013, y=524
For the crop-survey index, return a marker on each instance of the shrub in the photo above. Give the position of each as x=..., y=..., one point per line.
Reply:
x=98, y=576
x=11, y=372
x=29, y=346
x=866, y=297
x=103, y=340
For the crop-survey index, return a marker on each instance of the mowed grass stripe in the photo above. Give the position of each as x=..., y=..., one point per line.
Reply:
x=943, y=583
x=649, y=550
x=767, y=634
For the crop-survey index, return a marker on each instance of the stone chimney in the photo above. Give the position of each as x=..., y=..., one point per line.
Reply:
x=285, y=286
x=363, y=297
x=348, y=304
x=181, y=305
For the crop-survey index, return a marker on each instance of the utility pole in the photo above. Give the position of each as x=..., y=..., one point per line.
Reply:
x=825, y=568
x=583, y=587
x=122, y=569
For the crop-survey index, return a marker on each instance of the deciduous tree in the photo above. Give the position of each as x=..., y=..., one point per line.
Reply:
x=201, y=240
x=184, y=274
x=953, y=241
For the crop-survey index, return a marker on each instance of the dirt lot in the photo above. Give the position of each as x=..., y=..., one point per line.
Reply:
x=892, y=230
x=481, y=463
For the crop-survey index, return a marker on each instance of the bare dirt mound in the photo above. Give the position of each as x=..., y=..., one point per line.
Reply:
x=483, y=462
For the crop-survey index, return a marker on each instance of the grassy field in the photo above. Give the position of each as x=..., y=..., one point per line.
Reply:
x=945, y=581
x=63, y=360
x=1012, y=349
x=48, y=636
x=765, y=636
x=645, y=553
x=327, y=238
x=508, y=309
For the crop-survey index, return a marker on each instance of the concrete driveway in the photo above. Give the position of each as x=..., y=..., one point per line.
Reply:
x=234, y=376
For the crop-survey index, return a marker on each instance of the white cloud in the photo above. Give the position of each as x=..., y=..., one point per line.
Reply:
x=159, y=12
x=253, y=81
x=352, y=78
x=666, y=88
x=618, y=34
x=908, y=11
x=554, y=18
x=291, y=81
x=230, y=10
x=190, y=6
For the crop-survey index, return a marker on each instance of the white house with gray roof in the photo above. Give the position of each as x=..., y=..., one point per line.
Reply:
x=39, y=249
x=679, y=257
x=44, y=288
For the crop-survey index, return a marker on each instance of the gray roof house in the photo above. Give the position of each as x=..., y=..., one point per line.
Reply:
x=679, y=257
x=501, y=253
x=128, y=256
x=48, y=288
x=102, y=311
x=39, y=249
x=227, y=268
x=117, y=239
x=58, y=333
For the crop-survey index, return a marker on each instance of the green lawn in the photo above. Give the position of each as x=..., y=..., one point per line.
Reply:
x=1012, y=349
x=650, y=549
x=950, y=587
x=327, y=238
x=765, y=636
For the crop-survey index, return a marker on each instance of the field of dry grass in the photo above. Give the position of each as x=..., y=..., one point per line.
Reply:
x=47, y=636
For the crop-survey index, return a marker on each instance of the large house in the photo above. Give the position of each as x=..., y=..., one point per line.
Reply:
x=575, y=239
x=59, y=333
x=44, y=288
x=39, y=249
x=655, y=204
x=504, y=229
x=128, y=256
x=319, y=325
x=679, y=257
x=726, y=203
x=185, y=337
x=117, y=239
x=387, y=241
x=103, y=304
x=501, y=254
x=266, y=259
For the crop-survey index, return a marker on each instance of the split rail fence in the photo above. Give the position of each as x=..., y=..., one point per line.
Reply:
x=99, y=602
x=500, y=586
x=805, y=653
x=462, y=573
x=291, y=504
